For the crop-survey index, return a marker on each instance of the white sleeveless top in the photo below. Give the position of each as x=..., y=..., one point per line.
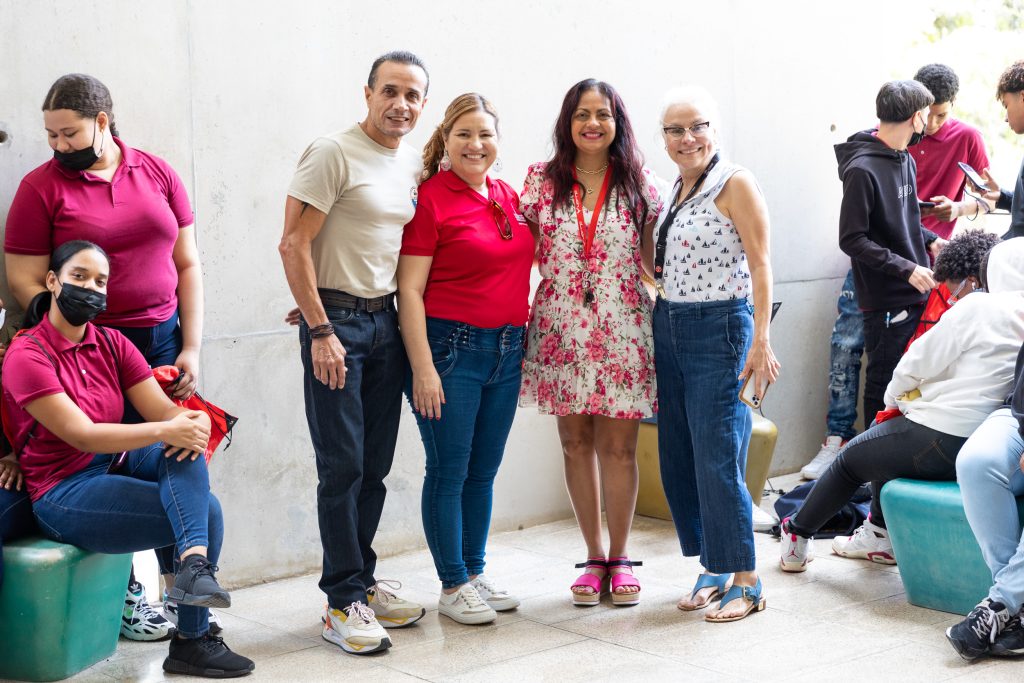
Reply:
x=704, y=259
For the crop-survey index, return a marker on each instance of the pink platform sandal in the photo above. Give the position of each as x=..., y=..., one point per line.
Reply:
x=586, y=580
x=622, y=579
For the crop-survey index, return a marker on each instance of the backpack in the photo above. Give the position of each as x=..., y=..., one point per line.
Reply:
x=843, y=523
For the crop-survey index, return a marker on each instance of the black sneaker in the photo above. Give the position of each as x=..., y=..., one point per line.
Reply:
x=1010, y=641
x=208, y=657
x=973, y=636
x=194, y=584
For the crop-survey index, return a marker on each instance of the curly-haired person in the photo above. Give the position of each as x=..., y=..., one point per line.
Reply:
x=945, y=385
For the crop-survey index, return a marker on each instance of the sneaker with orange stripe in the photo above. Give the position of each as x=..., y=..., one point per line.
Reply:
x=355, y=630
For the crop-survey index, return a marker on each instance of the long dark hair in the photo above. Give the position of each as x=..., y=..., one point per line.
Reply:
x=83, y=94
x=40, y=303
x=627, y=162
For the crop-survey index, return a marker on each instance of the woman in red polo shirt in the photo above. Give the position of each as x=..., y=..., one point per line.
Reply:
x=136, y=208
x=463, y=288
x=109, y=487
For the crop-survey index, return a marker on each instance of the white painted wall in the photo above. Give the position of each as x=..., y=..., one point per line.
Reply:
x=231, y=92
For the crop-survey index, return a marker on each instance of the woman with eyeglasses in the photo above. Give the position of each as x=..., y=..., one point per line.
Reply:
x=589, y=356
x=946, y=384
x=711, y=257
x=463, y=289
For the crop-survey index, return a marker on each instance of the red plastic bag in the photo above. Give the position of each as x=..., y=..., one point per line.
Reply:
x=220, y=420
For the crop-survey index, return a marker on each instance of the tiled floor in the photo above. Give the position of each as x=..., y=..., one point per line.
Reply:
x=841, y=620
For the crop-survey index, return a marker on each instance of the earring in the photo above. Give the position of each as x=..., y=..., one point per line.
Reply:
x=497, y=165
x=446, y=162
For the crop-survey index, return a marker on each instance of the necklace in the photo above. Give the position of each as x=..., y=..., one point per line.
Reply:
x=600, y=170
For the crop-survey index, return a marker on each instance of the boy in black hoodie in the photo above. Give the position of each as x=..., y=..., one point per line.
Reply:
x=880, y=229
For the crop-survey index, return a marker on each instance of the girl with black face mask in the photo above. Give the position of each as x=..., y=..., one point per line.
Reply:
x=102, y=485
x=136, y=208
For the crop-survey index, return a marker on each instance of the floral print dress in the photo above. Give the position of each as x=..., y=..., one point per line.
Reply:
x=597, y=358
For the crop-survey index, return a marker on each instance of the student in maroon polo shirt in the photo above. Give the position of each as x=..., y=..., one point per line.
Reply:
x=135, y=206
x=110, y=487
x=463, y=288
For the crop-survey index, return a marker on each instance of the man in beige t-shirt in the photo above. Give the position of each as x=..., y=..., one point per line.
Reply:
x=351, y=196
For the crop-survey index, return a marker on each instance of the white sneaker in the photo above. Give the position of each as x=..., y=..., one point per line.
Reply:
x=869, y=542
x=829, y=451
x=796, y=551
x=355, y=630
x=139, y=620
x=391, y=610
x=170, y=613
x=763, y=520
x=498, y=599
x=466, y=606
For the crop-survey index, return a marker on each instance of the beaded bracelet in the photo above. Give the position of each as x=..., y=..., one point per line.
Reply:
x=325, y=330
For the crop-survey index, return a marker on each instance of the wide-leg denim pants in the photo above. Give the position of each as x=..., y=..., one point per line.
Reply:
x=704, y=429
x=480, y=370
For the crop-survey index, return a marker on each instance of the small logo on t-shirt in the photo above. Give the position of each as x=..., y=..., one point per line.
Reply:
x=414, y=194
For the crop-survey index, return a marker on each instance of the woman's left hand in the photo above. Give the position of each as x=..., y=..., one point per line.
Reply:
x=10, y=474
x=188, y=363
x=761, y=361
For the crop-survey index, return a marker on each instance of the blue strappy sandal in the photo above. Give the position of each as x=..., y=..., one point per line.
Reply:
x=706, y=581
x=755, y=594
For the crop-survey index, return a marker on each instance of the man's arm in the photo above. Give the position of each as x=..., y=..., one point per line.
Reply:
x=302, y=223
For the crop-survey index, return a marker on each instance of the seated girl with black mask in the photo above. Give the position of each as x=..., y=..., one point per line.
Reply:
x=109, y=487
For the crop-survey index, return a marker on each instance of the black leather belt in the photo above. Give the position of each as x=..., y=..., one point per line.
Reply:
x=333, y=298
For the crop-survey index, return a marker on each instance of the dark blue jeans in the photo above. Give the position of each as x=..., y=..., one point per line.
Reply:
x=480, y=369
x=354, y=430
x=160, y=345
x=16, y=520
x=847, y=346
x=704, y=429
x=151, y=502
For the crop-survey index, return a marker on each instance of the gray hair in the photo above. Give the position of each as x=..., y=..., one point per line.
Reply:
x=695, y=96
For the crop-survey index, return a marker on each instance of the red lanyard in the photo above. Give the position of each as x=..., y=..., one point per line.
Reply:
x=587, y=232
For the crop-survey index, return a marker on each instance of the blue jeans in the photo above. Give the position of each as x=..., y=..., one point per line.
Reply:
x=354, y=430
x=990, y=477
x=847, y=346
x=704, y=429
x=151, y=502
x=16, y=519
x=159, y=345
x=480, y=373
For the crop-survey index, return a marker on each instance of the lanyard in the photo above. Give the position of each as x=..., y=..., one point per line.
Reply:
x=661, y=247
x=587, y=232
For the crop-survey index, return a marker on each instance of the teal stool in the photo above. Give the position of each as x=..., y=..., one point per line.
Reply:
x=939, y=559
x=60, y=608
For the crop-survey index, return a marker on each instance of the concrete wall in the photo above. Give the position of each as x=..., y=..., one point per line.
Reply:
x=231, y=92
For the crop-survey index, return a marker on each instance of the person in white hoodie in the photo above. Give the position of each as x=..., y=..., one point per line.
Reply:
x=945, y=385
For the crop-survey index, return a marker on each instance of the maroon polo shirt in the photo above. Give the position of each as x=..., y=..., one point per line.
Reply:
x=135, y=218
x=94, y=377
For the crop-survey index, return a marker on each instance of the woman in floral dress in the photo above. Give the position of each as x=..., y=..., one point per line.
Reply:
x=589, y=356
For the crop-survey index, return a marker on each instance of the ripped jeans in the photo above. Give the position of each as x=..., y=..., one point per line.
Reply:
x=847, y=346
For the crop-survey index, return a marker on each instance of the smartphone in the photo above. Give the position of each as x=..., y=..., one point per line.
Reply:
x=748, y=395
x=926, y=205
x=973, y=176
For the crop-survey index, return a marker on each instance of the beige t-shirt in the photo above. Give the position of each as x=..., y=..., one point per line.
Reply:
x=368, y=193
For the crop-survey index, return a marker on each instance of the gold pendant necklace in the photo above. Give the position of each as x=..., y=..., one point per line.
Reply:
x=600, y=170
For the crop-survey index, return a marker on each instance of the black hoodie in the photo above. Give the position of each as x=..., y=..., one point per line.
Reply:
x=880, y=222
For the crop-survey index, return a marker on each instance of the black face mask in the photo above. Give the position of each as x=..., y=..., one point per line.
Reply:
x=916, y=137
x=80, y=159
x=79, y=305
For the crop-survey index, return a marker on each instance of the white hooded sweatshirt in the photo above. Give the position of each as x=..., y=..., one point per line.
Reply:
x=964, y=366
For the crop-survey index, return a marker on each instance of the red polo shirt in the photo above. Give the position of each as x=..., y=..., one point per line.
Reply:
x=135, y=218
x=937, y=172
x=92, y=377
x=476, y=277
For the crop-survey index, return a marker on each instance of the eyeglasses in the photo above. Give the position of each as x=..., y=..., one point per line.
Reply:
x=501, y=220
x=697, y=130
